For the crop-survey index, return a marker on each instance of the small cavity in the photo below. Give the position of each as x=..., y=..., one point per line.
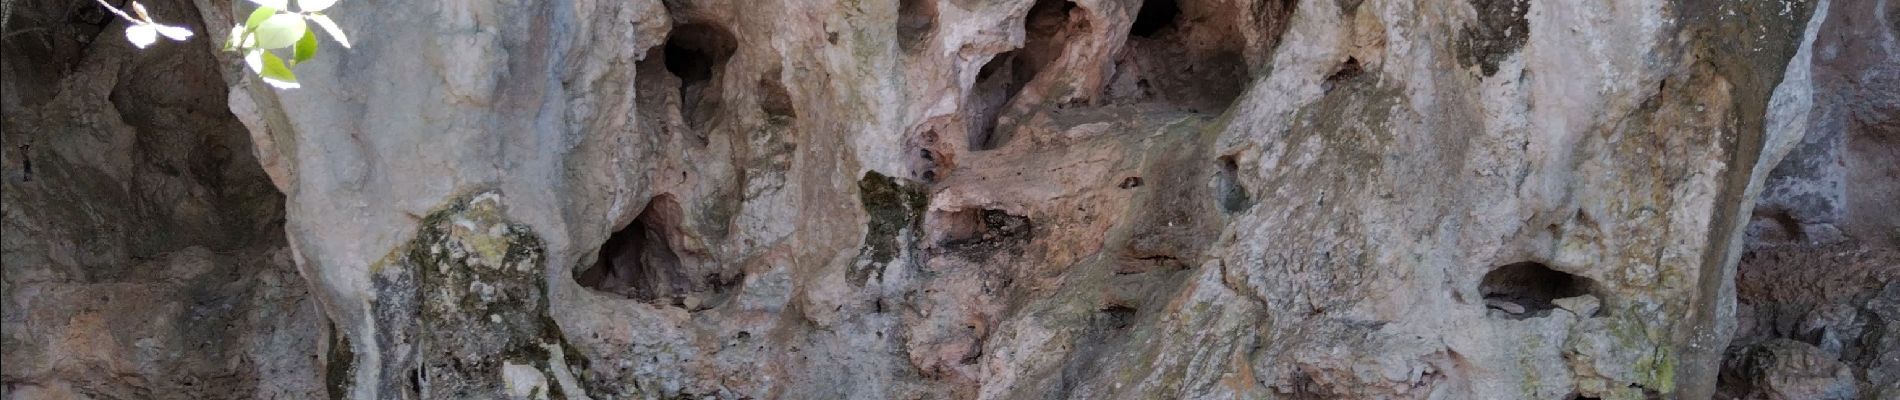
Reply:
x=696, y=53
x=996, y=84
x=1232, y=195
x=774, y=99
x=978, y=233
x=638, y=262
x=1347, y=71
x=1117, y=317
x=1048, y=28
x=1155, y=15
x=916, y=20
x=1527, y=288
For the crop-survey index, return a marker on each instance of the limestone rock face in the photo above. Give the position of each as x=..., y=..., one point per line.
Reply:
x=1442, y=199
x=143, y=248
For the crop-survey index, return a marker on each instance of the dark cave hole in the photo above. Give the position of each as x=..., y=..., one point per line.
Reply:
x=696, y=53
x=916, y=19
x=1189, y=55
x=637, y=262
x=1117, y=317
x=415, y=381
x=1347, y=71
x=1048, y=28
x=774, y=98
x=693, y=51
x=1526, y=288
x=978, y=233
x=1232, y=196
x=1155, y=16
x=996, y=84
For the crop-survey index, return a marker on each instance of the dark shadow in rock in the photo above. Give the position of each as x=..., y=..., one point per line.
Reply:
x=1232, y=195
x=996, y=84
x=774, y=99
x=1155, y=15
x=697, y=54
x=977, y=234
x=1192, y=55
x=916, y=21
x=1500, y=31
x=1048, y=26
x=638, y=262
x=1525, y=289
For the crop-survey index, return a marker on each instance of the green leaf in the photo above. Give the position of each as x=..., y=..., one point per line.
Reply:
x=331, y=28
x=314, y=5
x=258, y=16
x=280, y=31
x=276, y=73
x=306, y=48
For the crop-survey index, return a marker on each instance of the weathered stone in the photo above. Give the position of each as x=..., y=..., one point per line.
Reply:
x=991, y=199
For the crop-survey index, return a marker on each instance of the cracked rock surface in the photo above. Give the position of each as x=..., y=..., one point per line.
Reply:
x=996, y=199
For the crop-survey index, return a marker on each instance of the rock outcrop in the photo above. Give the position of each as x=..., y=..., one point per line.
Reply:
x=1447, y=199
x=143, y=248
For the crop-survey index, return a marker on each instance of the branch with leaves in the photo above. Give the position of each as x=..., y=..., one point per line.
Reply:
x=272, y=27
x=143, y=32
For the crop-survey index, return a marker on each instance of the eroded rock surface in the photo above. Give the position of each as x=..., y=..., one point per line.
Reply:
x=143, y=248
x=1487, y=199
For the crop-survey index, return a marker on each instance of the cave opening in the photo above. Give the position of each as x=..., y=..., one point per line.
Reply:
x=1048, y=28
x=1232, y=195
x=978, y=233
x=637, y=261
x=916, y=20
x=1155, y=15
x=1526, y=288
x=996, y=84
x=696, y=54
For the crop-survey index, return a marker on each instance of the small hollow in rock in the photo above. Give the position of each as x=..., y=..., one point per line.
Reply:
x=979, y=233
x=996, y=84
x=696, y=53
x=1233, y=197
x=637, y=262
x=1526, y=288
x=774, y=98
x=1048, y=28
x=1155, y=15
x=916, y=19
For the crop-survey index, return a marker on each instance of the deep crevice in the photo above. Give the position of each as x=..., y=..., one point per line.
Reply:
x=1526, y=289
x=1155, y=15
x=1192, y=55
x=977, y=234
x=1048, y=27
x=916, y=21
x=697, y=54
x=1232, y=195
x=774, y=99
x=996, y=84
x=638, y=262
x=1347, y=71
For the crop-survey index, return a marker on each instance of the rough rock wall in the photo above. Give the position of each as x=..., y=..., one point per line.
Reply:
x=1840, y=181
x=1032, y=198
x=143, y=247
x=1818, y=303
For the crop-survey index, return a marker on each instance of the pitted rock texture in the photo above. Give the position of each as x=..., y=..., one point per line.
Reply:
x=1027, y=199
x=143, y=248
